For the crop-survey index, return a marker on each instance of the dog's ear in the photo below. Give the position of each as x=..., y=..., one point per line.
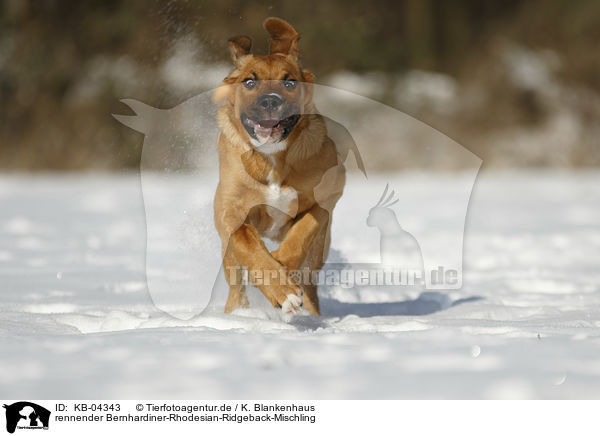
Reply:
x=307, y=76
x=284, y=38
x=221, y=93
x=239, y=46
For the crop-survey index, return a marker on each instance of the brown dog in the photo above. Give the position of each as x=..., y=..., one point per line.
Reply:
x=280, y=176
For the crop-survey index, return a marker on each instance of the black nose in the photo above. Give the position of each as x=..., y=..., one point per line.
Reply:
x=270, y=102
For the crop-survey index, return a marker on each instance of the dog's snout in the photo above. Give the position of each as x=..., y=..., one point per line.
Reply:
x=270, y=101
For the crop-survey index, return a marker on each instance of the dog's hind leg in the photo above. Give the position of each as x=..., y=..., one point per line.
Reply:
x=311, y=300
x=237, y=298
x=314, y=262
x=237, y=290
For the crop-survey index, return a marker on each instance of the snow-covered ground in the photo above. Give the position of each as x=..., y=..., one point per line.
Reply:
x=77, y=321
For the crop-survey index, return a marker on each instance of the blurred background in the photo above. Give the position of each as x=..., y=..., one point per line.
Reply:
x=516, y=82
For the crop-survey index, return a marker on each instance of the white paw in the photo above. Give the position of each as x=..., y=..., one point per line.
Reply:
x=292, y=304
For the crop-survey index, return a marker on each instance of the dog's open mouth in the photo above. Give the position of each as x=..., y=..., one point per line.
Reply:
x=266, y=131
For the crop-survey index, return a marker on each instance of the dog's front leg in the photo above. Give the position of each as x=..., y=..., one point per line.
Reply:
x=264, y=272
x=297, y=242
x=304, y=244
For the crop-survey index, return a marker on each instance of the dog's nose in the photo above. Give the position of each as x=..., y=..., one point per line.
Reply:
x=270, y=101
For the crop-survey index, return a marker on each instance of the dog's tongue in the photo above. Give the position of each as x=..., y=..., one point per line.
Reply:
x=268, y=124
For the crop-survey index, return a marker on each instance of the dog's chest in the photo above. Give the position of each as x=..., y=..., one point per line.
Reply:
x=283, y=198
x=282, y=206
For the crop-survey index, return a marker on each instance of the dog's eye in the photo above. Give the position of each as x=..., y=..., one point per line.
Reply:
x=290, y=84
x=249, y=83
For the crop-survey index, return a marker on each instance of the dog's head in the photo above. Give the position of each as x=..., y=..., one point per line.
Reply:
x=268, y=94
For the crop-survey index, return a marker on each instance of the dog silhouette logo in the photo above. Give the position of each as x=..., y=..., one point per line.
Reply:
x=420, y=230
x=26, y=415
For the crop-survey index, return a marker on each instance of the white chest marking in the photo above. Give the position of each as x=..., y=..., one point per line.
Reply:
x=269, y=147
x=283, y=199
x=283, y=204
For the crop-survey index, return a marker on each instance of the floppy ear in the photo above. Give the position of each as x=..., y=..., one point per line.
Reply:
x=307, y=76
x=284, y=38
x=221, y=93
x=239, y=46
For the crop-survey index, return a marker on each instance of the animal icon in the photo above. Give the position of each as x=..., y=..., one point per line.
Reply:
x=26, y=414
x=398, y=248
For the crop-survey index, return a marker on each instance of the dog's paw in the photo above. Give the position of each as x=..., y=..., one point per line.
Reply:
x=292, y=304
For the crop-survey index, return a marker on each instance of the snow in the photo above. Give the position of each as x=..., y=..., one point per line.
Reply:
x=77, y=320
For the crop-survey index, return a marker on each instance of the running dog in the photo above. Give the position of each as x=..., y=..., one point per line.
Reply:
x=280, y=176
